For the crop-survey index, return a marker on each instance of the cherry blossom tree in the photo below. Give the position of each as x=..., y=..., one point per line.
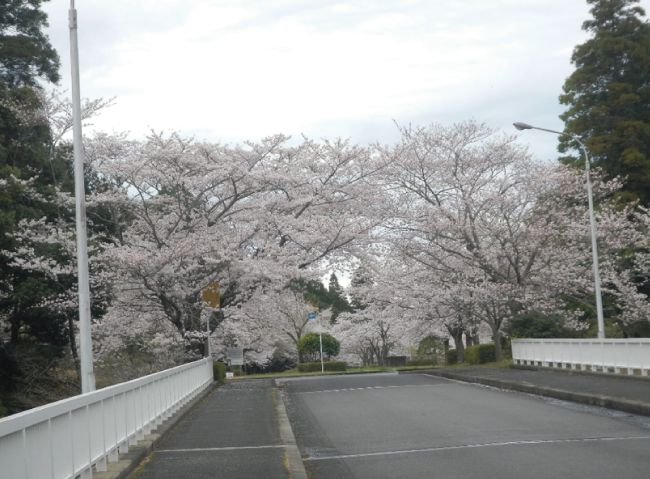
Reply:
x=43, y=235
x=250, y=218
x=458, y=229
x=471, y=209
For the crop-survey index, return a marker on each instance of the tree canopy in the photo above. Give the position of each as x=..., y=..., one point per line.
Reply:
x=310, y=344
x=608, y=96
x=25, y=51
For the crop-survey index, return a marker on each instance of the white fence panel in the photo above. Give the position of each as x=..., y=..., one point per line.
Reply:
x=66, y=439
x=633, y=355
x=12, y=456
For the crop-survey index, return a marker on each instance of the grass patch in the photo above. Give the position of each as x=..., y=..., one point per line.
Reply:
x=365, y=369
x=505, y=364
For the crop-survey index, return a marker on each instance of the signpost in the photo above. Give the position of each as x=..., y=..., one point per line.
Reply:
x=328, y=315
x=211, y=299
x=235, y=356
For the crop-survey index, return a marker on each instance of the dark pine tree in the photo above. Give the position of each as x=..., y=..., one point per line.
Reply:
x=337, y=299
x=608, y=96
x=32, y=337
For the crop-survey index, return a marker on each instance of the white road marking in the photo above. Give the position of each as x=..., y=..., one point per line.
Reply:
x=469, y=446
x=370, y=387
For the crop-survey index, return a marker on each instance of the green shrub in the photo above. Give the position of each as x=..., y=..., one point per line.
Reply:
x=238, y=372
x=310, y=344
x=535, y=324
x=430, y=345
x=423, y=362
x=329, y=366
x=451, y=356
x=506, y=348
x=480, y=354
x=219, y=370
x=3, y=411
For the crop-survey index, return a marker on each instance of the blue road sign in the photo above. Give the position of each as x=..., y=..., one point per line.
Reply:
x=311, y=315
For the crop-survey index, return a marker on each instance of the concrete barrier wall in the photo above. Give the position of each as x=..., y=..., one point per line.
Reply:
x=65, y=439
x=606, y=355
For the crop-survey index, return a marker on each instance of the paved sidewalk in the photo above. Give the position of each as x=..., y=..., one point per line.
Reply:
x=235, y=433
x=624, y=393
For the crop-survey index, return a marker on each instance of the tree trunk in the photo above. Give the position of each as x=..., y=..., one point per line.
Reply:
x=456, y=333
x=73, y=341
x=496, y=337
x=473, y=333
x=460, y=349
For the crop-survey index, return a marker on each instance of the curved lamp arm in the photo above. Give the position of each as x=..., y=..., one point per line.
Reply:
x=592, y=221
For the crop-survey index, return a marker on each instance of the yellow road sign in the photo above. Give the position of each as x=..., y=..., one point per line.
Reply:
x=211, y=296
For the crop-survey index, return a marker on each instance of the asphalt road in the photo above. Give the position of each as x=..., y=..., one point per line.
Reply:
x=233, y=435
x=412, y=426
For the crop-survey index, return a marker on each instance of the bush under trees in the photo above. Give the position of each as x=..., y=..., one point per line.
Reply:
x=480, y=354
x=451, y=356
x=219, y=370
x=328, y=366
x=309, y=344
x=423, y=362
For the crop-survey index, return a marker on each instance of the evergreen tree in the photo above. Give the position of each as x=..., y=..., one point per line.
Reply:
x=32, y=336
x=25, y=51
x=608, y=96
x=337, y=299
x=316, y=294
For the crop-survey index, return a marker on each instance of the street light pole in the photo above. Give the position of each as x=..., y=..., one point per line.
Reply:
x=327, y=314
x=320, y=340
x=85, y=339
x=592, y=221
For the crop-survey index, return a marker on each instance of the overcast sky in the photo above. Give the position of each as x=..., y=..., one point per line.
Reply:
x=234, y=70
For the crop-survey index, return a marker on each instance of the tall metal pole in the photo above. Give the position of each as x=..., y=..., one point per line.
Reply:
x=85, y=340
x=594, y=245
x=320, y=338
x=592, y=222
x=208, y=349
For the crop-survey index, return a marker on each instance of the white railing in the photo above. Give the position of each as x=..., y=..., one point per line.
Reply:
x=585, y=354
x=63, y=440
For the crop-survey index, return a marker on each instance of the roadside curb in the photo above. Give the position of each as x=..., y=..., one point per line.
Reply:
x=294, y=459
x=625, y=405
x=580, y=372
x=129, y=462
x=332, y=373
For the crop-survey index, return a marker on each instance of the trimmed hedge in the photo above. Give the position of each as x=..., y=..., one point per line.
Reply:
x=422, y=362
x=219, y=370
x=480, y=354
x=329, y=366
x=451, y=356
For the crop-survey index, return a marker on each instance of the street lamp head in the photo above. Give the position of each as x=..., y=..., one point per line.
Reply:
x=522, y=126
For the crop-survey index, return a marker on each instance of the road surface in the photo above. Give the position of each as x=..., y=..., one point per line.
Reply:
x=414, y=426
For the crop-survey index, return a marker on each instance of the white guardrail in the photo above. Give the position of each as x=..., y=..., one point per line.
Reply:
x=63, y=440
x=585, y=354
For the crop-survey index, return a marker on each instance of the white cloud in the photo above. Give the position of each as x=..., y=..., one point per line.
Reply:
x=242, y=69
